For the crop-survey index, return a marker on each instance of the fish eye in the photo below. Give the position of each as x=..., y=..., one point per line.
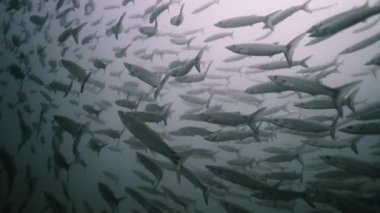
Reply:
x=328, y=157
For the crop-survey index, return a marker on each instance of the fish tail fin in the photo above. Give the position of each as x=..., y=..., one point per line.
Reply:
x=85, y=81
x=161, y=86
x=75, y=32
x=289, y=51
x=189, y=41
x=299, y=159
x=166, y=114
x=254, y=115
x=333, y=126
x=138, y=102
x=206, y=194
x=69, y=89
x=306, y=8
x=350, y=100
x=197, y=60
x=340, y=93
x=97, y=113
x=251, y=163
x=209, y=100
x=354, y=143
x=179, y=165
x=374, y=73
x=303, y=61
x=118, y=200
x=268, y=20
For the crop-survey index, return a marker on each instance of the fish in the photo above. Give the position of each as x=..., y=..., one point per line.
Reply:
x=152, y=140
x=176, y=198
x=281, y=15
x=61, y=87
x=111, y=176
x=190, y=131
x=341, y=21
x=262, y=49
x=54, y=204
x=151, y=166
x=352, y=165
x=118, y=27
x=26, y=131
x=205, y=6
x=362, y=44
x=371, y=128
x=239, y=178
x=336, y=144
x=39, y=20
x=218, y=36
x=109, y=196
x=178, y=19
x=9, y=167
x=143, y=74
x=315, y=87
x=158, y=11
x=139, y=198
x=281, y=64
x=77, y=71
x=240, y=21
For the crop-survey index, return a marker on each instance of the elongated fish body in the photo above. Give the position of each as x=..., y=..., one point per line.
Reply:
x=240, y=21
x=39, y=20
x=325, y=102
x=280, y=16
x=109, y=196
x=118, y=27
x=269, y=87
x=158, y=10
x=335, y=144
x=281, y=64
x=154, y=117
x=77, y=71
x=194, y=99
x=371, y=128
x=228, y=135
x=314, y=87
x=177, y=20
x=151, y=139
x=300, y=125
x=205, y=6
x=261, y=49
x=143, y=74
x=151, y=166
x=239, y=178
x=190, y=131
x=173, y=196
x=319, y=67
x=233, y=208
x=149, y=31
x=352, y=165
x=362, y=44
x=61, y=87
x=342, y=22
x=374, y=61
x=193, y=178
x=218, y=36
x=257, y=49
x=9, y=167
x=69, y=125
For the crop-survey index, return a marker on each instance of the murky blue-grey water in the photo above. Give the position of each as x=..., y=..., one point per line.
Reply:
x=53, y=156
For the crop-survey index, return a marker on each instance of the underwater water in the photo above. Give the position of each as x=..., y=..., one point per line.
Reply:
x=189, y=106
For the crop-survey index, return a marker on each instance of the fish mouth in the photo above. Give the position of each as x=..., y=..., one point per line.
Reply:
x=231, y=48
